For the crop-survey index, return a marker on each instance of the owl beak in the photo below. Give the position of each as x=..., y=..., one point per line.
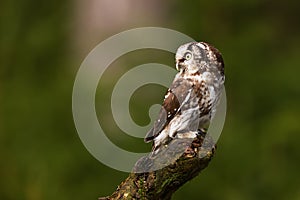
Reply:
x=179, y=64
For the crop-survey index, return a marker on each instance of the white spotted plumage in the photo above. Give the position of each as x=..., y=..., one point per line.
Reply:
x=191, y=100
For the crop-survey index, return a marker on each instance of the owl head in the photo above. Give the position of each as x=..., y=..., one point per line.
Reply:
x=199, y=57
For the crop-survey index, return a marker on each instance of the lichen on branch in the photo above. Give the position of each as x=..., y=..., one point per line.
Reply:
x=158, y=177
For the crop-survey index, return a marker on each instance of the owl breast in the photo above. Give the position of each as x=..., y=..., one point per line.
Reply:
x=195, y=109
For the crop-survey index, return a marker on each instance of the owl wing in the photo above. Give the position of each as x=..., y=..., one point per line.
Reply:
x=175, y=96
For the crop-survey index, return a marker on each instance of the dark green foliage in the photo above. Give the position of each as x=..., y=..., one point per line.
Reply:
x=258, y=155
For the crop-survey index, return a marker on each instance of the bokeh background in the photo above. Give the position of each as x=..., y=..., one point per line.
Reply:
x=42, y=44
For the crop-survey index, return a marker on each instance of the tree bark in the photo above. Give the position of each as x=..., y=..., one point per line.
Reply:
x=158, y=176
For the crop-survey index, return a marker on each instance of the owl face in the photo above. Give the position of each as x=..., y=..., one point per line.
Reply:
x=199, y=57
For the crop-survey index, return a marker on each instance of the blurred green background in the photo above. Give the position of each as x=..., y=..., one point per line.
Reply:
x=42, y=44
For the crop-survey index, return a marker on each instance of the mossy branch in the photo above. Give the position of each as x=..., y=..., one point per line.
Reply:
x=163, y=182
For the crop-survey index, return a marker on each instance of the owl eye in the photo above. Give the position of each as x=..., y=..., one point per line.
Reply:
x=188, y=56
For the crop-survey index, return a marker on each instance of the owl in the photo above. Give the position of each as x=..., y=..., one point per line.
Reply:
x=190, y=102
